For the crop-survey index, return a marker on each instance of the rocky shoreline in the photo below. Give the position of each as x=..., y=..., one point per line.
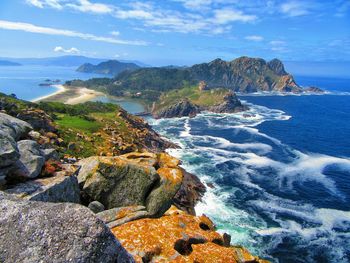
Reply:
x=137, y=206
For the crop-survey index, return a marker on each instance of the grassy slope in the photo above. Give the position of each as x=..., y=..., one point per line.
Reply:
x=201, y=98
x=84, y=125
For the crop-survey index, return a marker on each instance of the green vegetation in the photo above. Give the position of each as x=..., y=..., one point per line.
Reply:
x=203, y=98
x=74, y=122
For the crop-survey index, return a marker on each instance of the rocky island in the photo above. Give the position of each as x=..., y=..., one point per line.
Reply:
x=93, y=183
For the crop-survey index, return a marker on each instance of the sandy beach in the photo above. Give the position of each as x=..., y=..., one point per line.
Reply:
x=60, y=89
x=70, y=95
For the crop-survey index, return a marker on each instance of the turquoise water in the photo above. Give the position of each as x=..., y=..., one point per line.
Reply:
x=24, y=80
x=130, y=106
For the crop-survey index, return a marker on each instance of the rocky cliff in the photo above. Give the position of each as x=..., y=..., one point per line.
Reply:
x=188, y=102
x=115, y=208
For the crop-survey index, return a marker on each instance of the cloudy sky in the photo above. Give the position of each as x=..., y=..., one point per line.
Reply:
x=176, y=31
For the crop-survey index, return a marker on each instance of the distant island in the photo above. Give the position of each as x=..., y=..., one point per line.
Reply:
x=152, y=86
x=110, y=67
x=9, y=63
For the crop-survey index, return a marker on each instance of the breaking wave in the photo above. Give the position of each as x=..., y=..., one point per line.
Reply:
x=283, y=204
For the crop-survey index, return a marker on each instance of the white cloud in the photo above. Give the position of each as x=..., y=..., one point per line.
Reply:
x=115, y=33
x=71, y=50
x=254, y=38
x=18, y=26
x=88, y=7
x=294, y=8
x=224, y=16
x=42, y=3
x=277, y=42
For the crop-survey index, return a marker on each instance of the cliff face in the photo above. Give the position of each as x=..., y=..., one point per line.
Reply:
x=121, y=211
x=246, y=75
x=192, y=101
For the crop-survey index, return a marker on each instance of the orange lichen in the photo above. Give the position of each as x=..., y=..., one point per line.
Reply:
x=173, y=175
x=166, y=160
x=177, y=237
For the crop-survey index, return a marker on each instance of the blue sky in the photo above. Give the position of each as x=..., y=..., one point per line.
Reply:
x=180, y=32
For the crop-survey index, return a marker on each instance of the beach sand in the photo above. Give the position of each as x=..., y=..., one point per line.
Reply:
x=71, y=95
x=60, y=89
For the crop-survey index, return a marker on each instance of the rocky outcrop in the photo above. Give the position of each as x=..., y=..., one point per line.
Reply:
x=13, y=127
x=38, y=119
x=183, y=108
x=62, y=186
x=231, y=104
x=315, y=90
x=189, y=194
x=54, y=232
x=134, y=179
x=179, y=237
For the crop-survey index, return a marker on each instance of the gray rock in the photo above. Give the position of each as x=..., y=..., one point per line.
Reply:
x=96, y=207
x=118, y=213
x=50, y=154
x=182, y=108
x=231, y=104
x=59, y=188
x=34, y=135
x=55, y=232
x=115, y=182
x=9, y=153
x=31, y=160
x=14, y=127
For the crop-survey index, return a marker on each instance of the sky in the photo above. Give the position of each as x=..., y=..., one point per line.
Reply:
x=176, y=32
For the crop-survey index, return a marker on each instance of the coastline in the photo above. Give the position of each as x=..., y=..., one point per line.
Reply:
x=60, y=89
x=68, y=95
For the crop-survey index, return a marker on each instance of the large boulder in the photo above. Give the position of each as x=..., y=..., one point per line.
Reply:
x=9, y=153
x=115, y=182
x=54, y=232
x=134, y=179
x=62, y=187
x=31, y=160
x=38, y=119
x=13, y=127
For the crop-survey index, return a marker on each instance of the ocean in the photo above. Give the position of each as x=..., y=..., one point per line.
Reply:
x=24, y=80
x=280, y=172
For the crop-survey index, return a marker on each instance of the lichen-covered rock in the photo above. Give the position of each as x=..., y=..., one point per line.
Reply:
x=121, y=215
x=13, y=127
x=131, y=180
x=62, y=187
x=35, y=232
x=38, y=119
x=178, y=237
x=31, y=160
x=115, y=182
x=161, y=197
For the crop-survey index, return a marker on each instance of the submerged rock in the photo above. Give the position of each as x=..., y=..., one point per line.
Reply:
x=54, y=232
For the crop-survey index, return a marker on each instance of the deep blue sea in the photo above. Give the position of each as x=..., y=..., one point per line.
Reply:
x=281, y=171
